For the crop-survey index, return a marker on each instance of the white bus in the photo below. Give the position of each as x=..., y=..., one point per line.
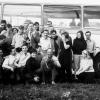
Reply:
x=70, y=15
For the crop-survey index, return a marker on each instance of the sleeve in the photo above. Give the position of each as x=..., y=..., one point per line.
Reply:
x=6, y=64
x=13, y=41
x=56, y=61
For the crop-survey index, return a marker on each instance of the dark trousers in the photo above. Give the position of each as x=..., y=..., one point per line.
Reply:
x=8, y=76
x=20, y=74
x=48, y=72
x=86, y=77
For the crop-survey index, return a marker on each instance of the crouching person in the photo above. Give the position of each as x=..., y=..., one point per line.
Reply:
x=86, y=71
x=20, y=64
x=49, y=63
x=8, y=67
x=31, y=67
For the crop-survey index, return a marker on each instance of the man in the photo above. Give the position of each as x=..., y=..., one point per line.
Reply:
x=3, y=25
x=49, y=64
x=32, y=65
x=35, y=36
x=45, y=42
x=55, y=43
x=19, y=39
x=21, y=62
x=8, y=66
x=90, y=44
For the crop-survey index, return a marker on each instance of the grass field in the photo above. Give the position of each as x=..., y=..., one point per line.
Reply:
x=65, y=91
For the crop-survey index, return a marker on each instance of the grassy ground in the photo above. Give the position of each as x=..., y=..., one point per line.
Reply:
x=66, y=91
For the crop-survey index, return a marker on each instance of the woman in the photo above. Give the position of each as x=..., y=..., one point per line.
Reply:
x=65, y=56
x=86, y=71
x=79, y=45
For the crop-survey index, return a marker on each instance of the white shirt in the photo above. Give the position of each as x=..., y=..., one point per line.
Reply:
x=22, y=59
x=18, y=40
x=9, y=62
x=86, y=65
x=45, y=43
x=90, y=46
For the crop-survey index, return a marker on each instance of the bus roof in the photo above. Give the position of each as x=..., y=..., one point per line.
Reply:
x=72, y=2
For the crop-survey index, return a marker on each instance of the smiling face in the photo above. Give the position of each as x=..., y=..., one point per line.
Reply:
x=78, y=35
x=24, y=49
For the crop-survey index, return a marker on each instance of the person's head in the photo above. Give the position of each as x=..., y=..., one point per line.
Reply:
x=80, y=35
x=45, y=34
x=1, y=52
x=85, y=54
x=24, y=48
x=65, y=35
x=34, y=54
x=49, y=53
x=30, y=27
x=13, y=51
x=53, y=33
x=3, y=24
x=26, y=23
x=9, y=27
x=36, y=26
x=21, y=29
x=88, y=35
x=14, y=30
x=49, y=23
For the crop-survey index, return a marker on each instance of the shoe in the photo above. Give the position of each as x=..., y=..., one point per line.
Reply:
x=53, y=83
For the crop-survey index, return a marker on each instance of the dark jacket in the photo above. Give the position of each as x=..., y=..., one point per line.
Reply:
x=78, y=46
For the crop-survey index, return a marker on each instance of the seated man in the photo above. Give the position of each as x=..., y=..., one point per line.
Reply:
x=49, y=63
x=21, y=62
x=8, y=66
x=32, y=65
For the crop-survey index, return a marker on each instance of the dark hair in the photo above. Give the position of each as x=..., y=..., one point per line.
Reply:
x=87, y=32
x=36, y=23
x=21, y=27
x=66, y=34
x=82, y=36
x=18, y=49
x=53, y=31
x=3, y=21
x=14, y=28
x=9, y=26
x=50, y=22
x=46, y=30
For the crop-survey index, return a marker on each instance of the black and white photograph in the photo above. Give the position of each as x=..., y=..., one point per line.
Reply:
x=49, y=49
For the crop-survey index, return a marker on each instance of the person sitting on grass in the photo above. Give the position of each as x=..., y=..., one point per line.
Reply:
x=86, y=71
x=49, y=63
x=21, y=62
x=32, y=65
x=8, y=66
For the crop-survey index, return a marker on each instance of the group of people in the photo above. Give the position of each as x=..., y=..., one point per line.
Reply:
x=28, y=53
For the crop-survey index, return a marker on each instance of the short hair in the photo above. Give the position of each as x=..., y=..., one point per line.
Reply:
x=9, y=26
x=87, y=32
x=66, y=34
x=46, y=30
x=14, y=28
x=3, y=21
x=36, y=23
x=21, y=27
x=53, y=31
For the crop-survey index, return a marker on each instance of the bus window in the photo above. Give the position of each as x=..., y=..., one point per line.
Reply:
x=17, y=14
x=91, y=17
x=63, y=15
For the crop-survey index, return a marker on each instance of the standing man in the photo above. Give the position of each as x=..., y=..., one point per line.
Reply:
x=90, y=44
